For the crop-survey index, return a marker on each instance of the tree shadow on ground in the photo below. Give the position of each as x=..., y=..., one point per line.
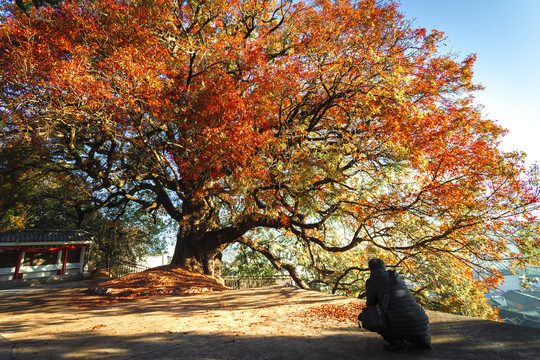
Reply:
x=56, y=300
x=189, y=345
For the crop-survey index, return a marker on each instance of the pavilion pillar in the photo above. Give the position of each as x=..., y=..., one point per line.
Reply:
x=64, y=261
x=20, y=256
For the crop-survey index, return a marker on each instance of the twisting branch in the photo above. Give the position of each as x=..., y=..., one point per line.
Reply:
x=345, y=273
x=277, y=262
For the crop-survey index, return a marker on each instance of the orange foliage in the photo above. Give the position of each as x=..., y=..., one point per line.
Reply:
x=299, y=117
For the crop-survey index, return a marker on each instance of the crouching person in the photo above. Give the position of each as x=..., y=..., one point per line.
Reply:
x=388, y=295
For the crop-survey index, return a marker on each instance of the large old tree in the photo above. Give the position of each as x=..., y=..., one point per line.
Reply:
x=319, y=134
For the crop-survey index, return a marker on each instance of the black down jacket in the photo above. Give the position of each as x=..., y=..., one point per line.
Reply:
x=406, y=319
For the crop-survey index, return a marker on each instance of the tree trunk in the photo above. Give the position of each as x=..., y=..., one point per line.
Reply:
x=196, y=249
x=198, y=254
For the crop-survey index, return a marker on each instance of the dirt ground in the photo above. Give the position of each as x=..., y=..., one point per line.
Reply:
x=65, y=321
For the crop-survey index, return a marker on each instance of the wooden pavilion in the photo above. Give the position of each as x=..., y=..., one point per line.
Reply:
x=43, y=253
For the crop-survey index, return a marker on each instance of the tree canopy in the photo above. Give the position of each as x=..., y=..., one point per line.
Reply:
x=318, y=134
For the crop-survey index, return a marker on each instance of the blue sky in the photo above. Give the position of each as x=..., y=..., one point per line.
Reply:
x=505, y=35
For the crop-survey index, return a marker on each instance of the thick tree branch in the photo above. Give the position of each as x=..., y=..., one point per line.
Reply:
x=277, y=262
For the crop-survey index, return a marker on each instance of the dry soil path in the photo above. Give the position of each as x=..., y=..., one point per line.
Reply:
x=267, y=323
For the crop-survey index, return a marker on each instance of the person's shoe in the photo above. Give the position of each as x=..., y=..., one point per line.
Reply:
x=398, y=346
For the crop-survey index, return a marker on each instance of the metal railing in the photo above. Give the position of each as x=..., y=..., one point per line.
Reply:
x=237, y=282
x=124, y=268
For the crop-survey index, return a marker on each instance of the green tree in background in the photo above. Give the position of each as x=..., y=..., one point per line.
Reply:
x=125, y=238
x=31, y=197
x=248, y=263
